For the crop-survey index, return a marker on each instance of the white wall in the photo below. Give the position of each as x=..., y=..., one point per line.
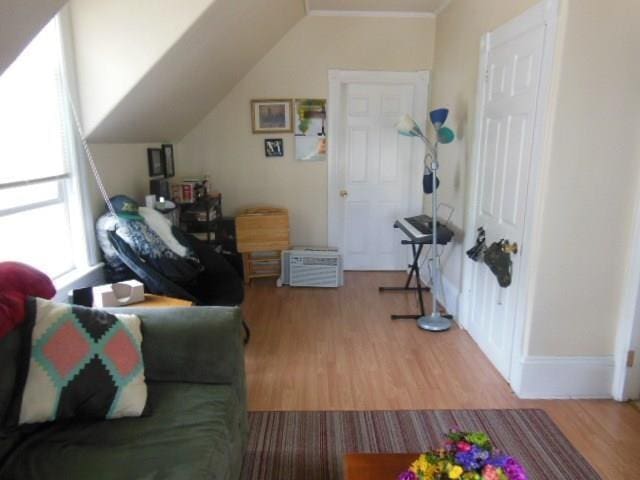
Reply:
x=592, y=178
x=591, y=166
x=223, y=146
x=123, y=168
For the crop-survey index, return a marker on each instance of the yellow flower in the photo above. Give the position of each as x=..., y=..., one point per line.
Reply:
x=455, y=472
x=423, y=468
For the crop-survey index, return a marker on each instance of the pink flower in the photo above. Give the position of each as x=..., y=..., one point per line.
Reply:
x=490, y=473
x=463, y=446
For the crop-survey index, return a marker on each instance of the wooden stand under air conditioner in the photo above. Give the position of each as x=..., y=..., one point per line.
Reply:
x=262, y=233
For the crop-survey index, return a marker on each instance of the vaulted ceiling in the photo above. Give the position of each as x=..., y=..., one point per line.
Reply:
x=190, y=77
x=151, y=70
x=20, y=20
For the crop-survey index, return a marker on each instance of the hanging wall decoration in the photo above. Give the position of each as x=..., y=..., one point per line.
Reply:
x=273, y=147
x=271, y=116
x=311, y=129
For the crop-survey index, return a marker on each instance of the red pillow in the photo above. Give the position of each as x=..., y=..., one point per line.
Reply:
x=17, y=282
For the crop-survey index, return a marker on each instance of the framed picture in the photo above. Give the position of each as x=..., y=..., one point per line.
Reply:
x=271, y=116
x=273, y=147
x=156, y=162
x=167, y=156
x=311, y=129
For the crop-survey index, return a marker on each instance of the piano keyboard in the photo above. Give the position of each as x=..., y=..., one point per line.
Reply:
x=418, y=229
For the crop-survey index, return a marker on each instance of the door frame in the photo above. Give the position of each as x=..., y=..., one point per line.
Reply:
x=338, y=80
x=546, y=12
x=626, y=380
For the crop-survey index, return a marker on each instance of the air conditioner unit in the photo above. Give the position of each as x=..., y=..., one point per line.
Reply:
x=311, y=267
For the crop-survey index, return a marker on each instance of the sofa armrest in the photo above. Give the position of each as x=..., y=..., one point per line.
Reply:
x=194, y=345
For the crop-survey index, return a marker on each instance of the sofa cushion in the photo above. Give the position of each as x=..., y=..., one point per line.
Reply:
x=192, y=433
x=82, y=363
x=17, y=282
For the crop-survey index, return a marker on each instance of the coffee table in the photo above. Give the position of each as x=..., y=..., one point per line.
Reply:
x=376, y=466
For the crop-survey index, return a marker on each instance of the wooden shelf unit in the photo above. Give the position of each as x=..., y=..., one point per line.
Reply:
x=201, y=217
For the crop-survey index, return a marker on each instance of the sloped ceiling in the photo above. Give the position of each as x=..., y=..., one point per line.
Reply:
x=194, y=74
x=20, y=20
x=117, y=42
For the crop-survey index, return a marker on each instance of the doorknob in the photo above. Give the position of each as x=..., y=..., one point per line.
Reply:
x=511, y=248
x=344, y=193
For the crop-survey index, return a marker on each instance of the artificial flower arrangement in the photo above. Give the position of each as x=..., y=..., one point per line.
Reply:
x=465, y=456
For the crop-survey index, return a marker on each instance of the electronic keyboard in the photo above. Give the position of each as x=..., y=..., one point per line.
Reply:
x=418, y=229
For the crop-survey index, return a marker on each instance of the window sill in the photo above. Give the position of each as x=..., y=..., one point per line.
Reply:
x=80, y=277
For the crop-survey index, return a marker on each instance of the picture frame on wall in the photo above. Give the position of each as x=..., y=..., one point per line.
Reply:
x=168, y=159
x=310, y=129
x=273, y=147
x=272, y=116
x=155, y=160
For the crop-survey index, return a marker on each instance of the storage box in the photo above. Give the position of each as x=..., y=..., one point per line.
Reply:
x=118, y=294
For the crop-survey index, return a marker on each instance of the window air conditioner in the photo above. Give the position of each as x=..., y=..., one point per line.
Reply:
x=311, y=267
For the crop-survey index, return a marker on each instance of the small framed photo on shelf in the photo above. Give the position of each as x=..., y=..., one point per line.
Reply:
x=271, y=116
x=156, y=162
x=169, y=163
x=273, y=147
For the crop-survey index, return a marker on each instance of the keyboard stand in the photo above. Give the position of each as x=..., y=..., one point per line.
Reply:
x=416, y=248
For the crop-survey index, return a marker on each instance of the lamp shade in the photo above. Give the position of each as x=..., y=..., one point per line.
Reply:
x=427, y=183
x=446, y=135
x=408, y=127
x=438, y=117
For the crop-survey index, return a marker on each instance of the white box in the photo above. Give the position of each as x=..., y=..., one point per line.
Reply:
x=118, y=294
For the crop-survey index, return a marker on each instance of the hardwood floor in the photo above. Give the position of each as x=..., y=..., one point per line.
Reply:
x=337, y=349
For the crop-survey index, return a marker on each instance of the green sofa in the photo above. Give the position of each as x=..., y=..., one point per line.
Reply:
x=197, y=427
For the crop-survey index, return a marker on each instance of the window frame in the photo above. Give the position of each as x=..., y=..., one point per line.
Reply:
x=72, y=187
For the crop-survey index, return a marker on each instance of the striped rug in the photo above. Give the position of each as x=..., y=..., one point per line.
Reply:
x=310, y=445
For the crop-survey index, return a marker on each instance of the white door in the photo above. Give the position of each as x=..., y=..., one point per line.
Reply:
x=510, y=94
x=375, y=163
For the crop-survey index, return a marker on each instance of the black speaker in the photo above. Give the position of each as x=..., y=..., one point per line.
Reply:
x=82, y=296
x=160, y=187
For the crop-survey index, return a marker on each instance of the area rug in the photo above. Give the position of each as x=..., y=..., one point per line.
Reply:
x=311, y=445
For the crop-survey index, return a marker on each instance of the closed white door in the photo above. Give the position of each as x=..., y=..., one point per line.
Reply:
x=375, y=164
x=510, y=95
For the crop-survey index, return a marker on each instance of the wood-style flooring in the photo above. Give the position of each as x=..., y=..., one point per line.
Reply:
x=337, y=349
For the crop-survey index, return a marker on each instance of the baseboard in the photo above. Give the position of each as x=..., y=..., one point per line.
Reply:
x=452, y=297
x=451, y=302
x=565, y=377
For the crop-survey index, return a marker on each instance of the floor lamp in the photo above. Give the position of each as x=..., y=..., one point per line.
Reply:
x=408, y=127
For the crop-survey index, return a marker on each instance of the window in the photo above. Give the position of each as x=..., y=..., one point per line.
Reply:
x=37, y=184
